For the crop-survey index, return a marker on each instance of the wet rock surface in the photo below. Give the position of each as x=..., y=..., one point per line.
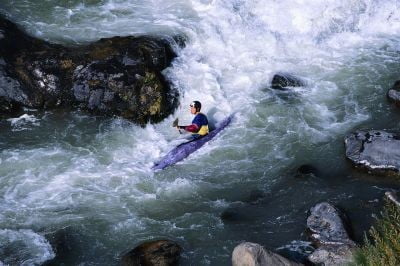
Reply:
x=394, y=93
x=329, y=234
x=376, y=150
x=394, y=197
x=115, y=76
x=254, y=254
x=282, y=81
x=155, y=253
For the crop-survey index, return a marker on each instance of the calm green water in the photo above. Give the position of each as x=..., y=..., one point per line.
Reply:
x=86, y=181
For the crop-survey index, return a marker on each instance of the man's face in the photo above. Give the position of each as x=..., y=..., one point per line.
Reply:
x=192, y=110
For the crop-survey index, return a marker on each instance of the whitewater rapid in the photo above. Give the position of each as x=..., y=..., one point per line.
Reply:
x=91, y=176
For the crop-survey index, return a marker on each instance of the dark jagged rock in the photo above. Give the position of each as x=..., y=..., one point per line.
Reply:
x=253, y=254
x=283, y=80
x=328, y=232
x=114, y=76
x=376, y=150
x=394, y=93
x=155, y=253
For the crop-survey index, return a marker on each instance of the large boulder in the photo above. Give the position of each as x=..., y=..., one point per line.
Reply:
x=154, y=253
x=251, y=254
x=115, y=76
x=329, y=234
x=376, y=150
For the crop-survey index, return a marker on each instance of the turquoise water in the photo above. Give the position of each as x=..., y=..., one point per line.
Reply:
x=86, y=180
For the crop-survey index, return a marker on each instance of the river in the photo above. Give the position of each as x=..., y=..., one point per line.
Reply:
x=87, y=180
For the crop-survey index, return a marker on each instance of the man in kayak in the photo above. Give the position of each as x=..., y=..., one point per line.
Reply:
x=199, y=126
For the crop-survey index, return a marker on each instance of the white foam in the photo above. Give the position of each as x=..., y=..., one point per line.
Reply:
x=28, y=247
x=24, y=122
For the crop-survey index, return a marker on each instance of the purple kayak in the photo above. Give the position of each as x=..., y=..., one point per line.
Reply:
x=185, y=149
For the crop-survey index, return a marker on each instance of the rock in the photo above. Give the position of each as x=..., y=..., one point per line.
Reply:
x=392, y=196
x=251, y=254
x=332, y=255
x=328, y=232
x=326, y=225
x=155, y=253
x=306, y=170
x=376, y=150
x=283, y=80
x=394, y=93
x=114, y=76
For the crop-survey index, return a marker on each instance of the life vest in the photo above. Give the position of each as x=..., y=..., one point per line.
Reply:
x=201, y=119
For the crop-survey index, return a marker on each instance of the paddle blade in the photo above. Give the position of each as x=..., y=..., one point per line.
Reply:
x=175, y=123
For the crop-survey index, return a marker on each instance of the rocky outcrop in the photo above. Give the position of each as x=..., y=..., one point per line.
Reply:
x=328, y=233
x=376, y=150
x=282, y=81
x=251, y=254
x=155, y=253
x=115, y=76
x=394, y=93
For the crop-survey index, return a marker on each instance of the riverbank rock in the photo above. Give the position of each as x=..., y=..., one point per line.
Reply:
x=114, y=76
x=282, y=81
x=393, y=197
x=155, y=253
x=394, y=93
x=328, y=233
x=251, y=254
x=376, y=150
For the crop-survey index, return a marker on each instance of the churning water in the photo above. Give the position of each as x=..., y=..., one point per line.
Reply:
x=86, y=180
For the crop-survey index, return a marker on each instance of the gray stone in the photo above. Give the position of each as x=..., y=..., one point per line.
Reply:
x=326, y=225
x=328, y=232
x=376, y=150
x=251, y=254
x=330, y=255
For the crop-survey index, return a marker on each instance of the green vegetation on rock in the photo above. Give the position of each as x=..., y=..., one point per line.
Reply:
x=383, y=245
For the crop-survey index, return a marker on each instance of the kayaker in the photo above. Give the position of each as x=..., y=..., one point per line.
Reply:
x=199, y=126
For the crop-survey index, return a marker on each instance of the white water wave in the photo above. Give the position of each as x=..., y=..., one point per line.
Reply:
x=24, y=122
x=24, y=247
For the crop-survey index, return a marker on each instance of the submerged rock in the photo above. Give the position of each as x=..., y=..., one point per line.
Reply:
x=376, y=150
x=306, y=170
x=283, y=80
x=328, y=232
x=114, y=76
x=155, y=253
x=253, y=254
x=394, y=93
